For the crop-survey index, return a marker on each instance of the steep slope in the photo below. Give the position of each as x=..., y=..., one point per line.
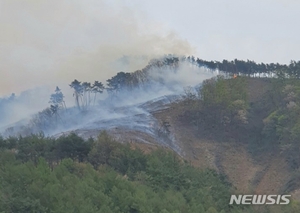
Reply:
x=264, y=172
x=161, y=122
x=148, y=111
x=136, y=123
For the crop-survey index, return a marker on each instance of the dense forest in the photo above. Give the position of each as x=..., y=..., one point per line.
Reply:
x=40, y=174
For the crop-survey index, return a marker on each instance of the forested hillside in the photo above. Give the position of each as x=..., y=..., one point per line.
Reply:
x=69, y=174
x=236, y=130
x=40, y=174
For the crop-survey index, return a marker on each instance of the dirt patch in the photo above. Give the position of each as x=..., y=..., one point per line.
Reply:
x=275, y=176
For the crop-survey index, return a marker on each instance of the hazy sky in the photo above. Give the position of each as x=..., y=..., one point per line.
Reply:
x=262, y=30
x=55, y=41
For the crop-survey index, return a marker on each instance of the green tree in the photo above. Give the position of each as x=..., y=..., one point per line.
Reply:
x=72, y=146
x=102, y=150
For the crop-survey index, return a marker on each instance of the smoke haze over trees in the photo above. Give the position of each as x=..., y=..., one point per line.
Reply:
x=164, y=76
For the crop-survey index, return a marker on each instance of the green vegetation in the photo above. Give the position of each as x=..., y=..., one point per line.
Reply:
x=223, y=101
x=69, y=174
x=270, y=123
x=222, y=105
x=221, y=92
x=283, y=123
x=219, y=107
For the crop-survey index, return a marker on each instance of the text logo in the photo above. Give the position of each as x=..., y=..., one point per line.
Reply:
x=260, y=199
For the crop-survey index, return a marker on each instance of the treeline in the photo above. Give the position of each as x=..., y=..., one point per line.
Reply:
x=250, y=68
x=68, y=174
x=241, y=67
x=86, y=94
x=125, y=81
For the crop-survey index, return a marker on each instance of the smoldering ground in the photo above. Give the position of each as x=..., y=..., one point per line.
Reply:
x=128, y=108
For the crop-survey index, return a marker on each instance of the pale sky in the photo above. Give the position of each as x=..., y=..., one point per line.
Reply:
x=55, y=41
x=260, y=30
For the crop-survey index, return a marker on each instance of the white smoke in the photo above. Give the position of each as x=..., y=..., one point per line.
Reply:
x=163, y=81
x=54, y=42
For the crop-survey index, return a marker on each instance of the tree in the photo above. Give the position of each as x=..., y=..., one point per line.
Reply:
x=72, y=146
x=86, y=95
x=118, y=82
x=83, y=91
x=97, y=88
x=102, y=150
x=57, y=99
x=78, y=92
x=57, y=103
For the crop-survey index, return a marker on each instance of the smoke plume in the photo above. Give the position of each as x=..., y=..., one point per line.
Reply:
x=53, y=42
